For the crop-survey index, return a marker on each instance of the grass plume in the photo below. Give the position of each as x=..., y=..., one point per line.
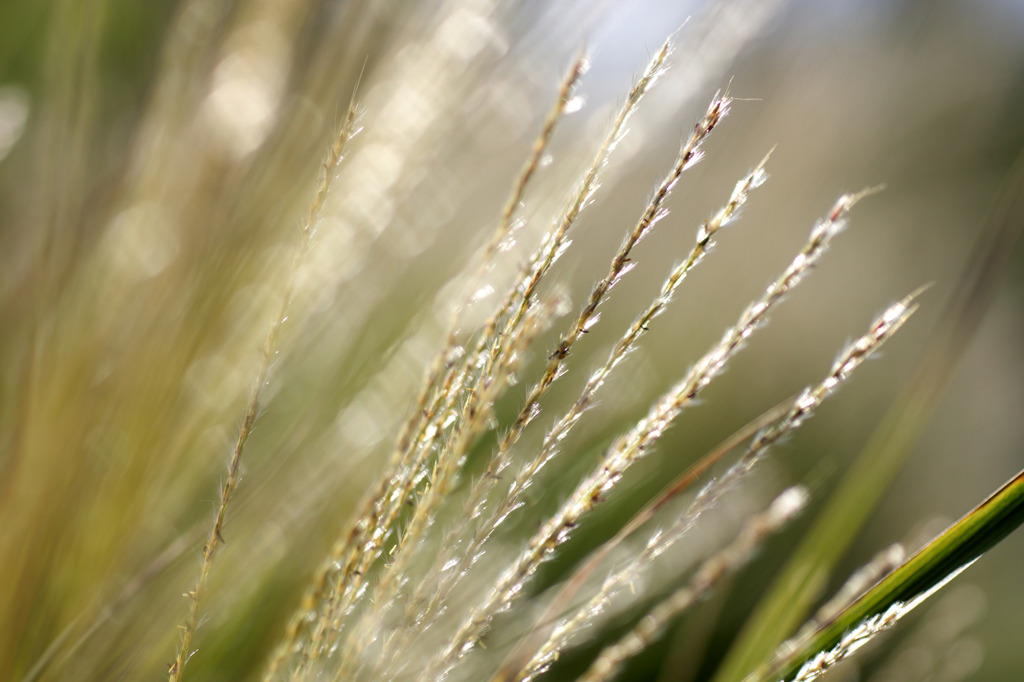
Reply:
x=452, y=428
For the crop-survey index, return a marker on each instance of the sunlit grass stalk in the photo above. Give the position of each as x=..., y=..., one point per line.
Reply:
x=791, y=597
x=396, y=484
x=864, y=577
x=474, y=510
x=425, y=410
x=408, y=509
x=523, y=656
x=487, y=521
x=849, y=359
x=634, y=445
x=268, y=351
x=472, y=422
x=424, y=510
x=725, y=562
x=883, y=327
x=689, y=154
x=555, y=241
x=622, y=348
x=552, y=247
x=339, y=581
x=906, y=587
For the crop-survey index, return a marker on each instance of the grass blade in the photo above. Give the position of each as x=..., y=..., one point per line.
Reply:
x=914, y=580
x=801, y=582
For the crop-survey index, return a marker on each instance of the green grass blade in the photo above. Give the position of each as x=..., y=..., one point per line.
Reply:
x=805, y=577
x=937, y=562
x=788, y=602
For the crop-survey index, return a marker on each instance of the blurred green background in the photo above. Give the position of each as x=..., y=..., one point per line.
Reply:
x=155, y=161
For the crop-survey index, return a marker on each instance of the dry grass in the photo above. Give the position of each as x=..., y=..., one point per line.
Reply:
x=410, y=414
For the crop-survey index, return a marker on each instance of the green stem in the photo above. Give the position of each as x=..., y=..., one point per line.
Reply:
x=931, y=567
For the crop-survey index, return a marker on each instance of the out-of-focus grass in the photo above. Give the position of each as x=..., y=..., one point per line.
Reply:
x=150, y=208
